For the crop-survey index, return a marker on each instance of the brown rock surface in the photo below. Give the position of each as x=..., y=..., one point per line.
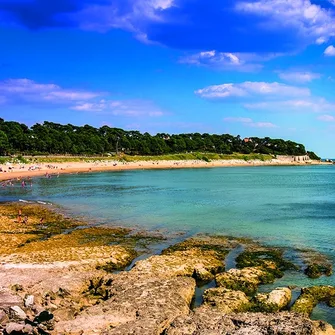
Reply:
x=212, y=322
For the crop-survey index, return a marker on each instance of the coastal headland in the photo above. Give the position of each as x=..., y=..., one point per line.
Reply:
x=60, y=275
x=57, y=166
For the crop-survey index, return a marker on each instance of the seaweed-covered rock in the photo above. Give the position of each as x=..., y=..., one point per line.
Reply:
x=274, y=301
x=311, y=296
x=316, y=270
x=220, y=244
x=271, y=260
x=245, y=280
x=225, y=300
x=214, y=322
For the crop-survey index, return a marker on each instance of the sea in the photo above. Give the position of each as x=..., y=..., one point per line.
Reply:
x=291, y=207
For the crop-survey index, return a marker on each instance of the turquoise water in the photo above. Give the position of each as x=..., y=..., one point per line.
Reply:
x=284, y=206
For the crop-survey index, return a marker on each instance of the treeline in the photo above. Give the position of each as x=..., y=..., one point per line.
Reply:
x=54, y=138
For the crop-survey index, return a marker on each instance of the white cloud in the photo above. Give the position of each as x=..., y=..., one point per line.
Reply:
x=249, y=122
x=326, y=118
x=250, y=89
x=109, y=16
x=299, y=77
x=29, y=92
x=315, y=105
x=321, y=40
x=134, y=108
x=245, y=62
x=311, y=21
x=330, y=51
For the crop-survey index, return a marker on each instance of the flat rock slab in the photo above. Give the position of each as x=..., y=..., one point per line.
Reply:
x=8, y=299
x=137, y=306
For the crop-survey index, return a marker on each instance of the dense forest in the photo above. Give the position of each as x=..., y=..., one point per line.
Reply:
x=53, y=138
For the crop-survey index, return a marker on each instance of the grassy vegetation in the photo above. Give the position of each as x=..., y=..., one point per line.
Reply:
x=127, y=158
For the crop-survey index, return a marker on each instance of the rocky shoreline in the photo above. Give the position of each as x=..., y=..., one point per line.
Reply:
x=63, y=276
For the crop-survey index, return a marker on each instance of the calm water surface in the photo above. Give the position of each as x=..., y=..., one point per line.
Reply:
x=284, y=206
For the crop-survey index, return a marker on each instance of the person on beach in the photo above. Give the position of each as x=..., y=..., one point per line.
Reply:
x=19, y=215
x=41, y=220
x=25, y=220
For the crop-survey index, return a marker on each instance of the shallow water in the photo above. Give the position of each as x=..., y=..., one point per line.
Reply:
x=284, y=206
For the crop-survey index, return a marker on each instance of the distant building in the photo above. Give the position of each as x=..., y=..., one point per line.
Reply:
x=247, y=139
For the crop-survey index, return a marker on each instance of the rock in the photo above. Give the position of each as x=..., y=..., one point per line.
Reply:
x=3, y=317
x=28, y=329
x=29, y=301
x=316, y=270
x=311, y=296
x=17, y=287
x=214, y=322
x=8, y=299
x=245, y=280
x=180, y=263
x=138, y=305
x=225, y=300
x=274, y=301
x=17, y=313
x=271, y=260
x=14, y=328
x=202, y=275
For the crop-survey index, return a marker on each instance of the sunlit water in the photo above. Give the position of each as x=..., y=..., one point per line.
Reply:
x=286, y=206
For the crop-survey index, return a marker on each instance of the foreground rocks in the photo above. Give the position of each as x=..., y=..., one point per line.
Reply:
x=209, y=321
x=66, y=284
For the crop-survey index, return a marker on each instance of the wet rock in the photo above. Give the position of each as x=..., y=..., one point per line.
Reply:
x=225, y=300
x=269, y=259
x=29, y=301
x=274, y=301
x=17, y=313
x=214, y=322
x=245, y=280
x=316, y=270
x=311, y=296
x=202, y=275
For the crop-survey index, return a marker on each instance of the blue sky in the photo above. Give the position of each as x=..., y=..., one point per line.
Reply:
x=247, y=67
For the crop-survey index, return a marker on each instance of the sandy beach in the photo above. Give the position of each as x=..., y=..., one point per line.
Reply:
x=23, y=171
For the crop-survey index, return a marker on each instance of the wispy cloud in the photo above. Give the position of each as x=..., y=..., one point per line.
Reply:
x=326, y=118
x=28, y=92
x=312, y=104
x=250, y=123
x=250, y=89
x=299, y=76
x=245, y=62
x=135, y=108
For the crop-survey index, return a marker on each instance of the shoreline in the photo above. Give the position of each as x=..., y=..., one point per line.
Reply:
x=20, y=171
